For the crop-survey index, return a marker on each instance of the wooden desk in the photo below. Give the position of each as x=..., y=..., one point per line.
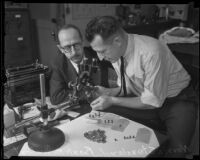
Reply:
x=188, y=55
x=185, y=48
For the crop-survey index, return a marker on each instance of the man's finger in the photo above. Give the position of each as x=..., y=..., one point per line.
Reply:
x=55, y=115
x=52, y=115
x=95, y=101
x=94, y=104
x=97, y=106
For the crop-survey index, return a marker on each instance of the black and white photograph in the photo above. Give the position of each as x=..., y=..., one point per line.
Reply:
x=100, y=80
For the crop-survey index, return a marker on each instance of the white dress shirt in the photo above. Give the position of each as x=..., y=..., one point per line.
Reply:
x=75, y=66
x=151, y=70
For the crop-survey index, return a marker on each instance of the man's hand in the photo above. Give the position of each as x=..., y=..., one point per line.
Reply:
x=101, y=90
x=54, y=114
x=58, y=113
x=101, y=102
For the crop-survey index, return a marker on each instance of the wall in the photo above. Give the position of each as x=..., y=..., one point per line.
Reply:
x=80, y=14
x=75, y=13
x=43, y=13
x=47, y=47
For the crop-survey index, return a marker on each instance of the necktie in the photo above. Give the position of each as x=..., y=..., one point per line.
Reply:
x=123, y=82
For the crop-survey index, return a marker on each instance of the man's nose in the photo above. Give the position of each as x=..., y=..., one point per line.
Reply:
x=73, y=51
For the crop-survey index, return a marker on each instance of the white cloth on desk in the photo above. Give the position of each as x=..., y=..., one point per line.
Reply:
x=77, y=145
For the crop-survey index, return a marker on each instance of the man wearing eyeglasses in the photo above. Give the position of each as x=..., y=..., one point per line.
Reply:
x=65, y=67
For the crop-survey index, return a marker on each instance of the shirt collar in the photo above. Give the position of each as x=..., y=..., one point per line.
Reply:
x=73, y=63
x=129, y=49
x=76, y=65
x=126, y=54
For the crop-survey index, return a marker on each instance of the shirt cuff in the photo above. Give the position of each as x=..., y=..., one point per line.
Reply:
x=149, y=98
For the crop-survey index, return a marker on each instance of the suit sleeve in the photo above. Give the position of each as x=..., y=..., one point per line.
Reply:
x=58, y=87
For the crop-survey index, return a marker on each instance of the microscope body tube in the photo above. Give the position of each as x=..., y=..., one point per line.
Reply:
x=44, y=108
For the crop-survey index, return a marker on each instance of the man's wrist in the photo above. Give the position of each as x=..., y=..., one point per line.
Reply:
x=112, y=91
x=113, y=100
x=108, y=92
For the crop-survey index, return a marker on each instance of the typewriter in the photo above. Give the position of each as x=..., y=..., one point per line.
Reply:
x=23, y=84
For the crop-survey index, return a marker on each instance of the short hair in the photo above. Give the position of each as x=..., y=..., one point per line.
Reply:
x=105, y=26
x=67, y=26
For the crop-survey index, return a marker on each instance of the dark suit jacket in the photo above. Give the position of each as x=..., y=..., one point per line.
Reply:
x=62, y=72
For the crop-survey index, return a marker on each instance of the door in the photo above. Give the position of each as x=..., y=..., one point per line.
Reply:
x=47, y=16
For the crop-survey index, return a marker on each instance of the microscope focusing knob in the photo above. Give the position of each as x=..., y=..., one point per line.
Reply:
x=70, y=85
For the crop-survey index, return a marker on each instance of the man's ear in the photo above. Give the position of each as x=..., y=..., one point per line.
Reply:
x=117, y=40
x=59, y=47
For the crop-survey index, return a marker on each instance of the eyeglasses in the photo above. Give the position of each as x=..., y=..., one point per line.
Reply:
x=68, y=48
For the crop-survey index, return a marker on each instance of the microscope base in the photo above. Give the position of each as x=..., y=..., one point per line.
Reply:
x=46, y=140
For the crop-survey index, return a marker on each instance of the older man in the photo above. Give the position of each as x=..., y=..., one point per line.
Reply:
x=65, y=67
